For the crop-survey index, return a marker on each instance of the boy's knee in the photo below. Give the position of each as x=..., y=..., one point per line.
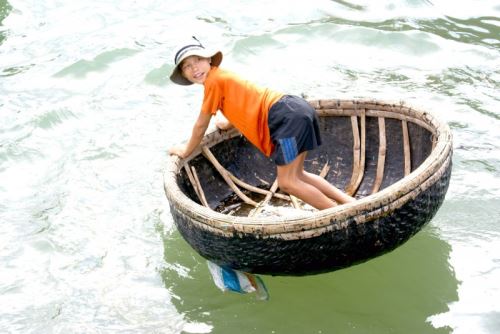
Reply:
x=286, y=186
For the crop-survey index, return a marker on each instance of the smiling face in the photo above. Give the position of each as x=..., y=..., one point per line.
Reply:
x=195, y=69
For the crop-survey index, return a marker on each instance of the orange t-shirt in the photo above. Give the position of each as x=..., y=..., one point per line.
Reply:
x=243, y=103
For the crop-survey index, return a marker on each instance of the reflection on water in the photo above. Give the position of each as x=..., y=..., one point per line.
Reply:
x=474, y=257
x=378, y=296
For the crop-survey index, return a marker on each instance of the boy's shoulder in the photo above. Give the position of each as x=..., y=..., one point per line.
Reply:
x=220, y=74
x=221, y=71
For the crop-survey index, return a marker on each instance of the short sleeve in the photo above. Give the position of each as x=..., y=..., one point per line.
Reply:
x=211, y=99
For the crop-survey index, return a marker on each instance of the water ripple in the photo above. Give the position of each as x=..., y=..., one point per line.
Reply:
x=10, y=71
x=482, y=31
x=101, y=62
x=53, y=118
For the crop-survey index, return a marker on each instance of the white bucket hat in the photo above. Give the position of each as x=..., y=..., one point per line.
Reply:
x=194, y=48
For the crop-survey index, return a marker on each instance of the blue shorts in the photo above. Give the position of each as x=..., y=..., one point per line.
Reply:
x=293, y=125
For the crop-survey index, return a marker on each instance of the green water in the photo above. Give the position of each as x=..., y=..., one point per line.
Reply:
x=87, y=242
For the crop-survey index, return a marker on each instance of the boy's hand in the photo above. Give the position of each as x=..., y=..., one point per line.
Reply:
x=179, y=150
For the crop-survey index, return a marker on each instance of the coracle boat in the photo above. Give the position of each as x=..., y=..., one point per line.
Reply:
x=394, y=159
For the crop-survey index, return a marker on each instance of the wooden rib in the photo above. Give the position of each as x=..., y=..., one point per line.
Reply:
x=382, y=148
x=358, y=170
x=406, y=141
x=295, y=202
x=388, y=114
x=376, y=111
x=356, y=156
x=268, y=197
x=324, y=170
x=208, y=154
x=273, y=189
x=247, y=186
x=361, y=173
x=262, y=180
x=200, y=189
x=193, y=181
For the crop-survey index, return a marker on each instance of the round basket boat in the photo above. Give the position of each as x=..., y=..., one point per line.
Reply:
x=394, y=159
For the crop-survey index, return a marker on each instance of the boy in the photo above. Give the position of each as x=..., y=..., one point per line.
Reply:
x=281, y=126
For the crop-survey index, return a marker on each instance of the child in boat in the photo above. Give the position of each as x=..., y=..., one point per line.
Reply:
x=283, y=127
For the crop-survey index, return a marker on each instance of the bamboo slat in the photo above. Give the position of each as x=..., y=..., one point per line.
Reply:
x=382, y=148
x=359, y=154
x=363, y=152
x=356, y=156
x=406, y=143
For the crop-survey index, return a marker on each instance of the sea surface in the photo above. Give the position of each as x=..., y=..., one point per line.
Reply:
x=87, y=242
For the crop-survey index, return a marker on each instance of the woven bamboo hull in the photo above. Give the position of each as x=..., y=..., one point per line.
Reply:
x=394, y=159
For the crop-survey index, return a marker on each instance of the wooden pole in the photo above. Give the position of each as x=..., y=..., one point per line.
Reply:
x=268, y=197
x=247, y=186
x=195, y=183
x=200, y=189
x=208, y=154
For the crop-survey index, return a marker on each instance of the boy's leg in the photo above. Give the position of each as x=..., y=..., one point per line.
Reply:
x=326, y=188
x=292, y=181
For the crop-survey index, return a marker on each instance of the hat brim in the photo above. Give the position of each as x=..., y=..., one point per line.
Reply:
x=178, y=78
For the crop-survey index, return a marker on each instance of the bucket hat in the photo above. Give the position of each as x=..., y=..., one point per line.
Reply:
x=192, y=48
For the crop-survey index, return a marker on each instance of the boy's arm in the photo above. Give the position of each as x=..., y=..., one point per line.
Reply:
x=199, y=128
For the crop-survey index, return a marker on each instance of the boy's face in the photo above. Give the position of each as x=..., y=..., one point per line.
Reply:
x=195, y=69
